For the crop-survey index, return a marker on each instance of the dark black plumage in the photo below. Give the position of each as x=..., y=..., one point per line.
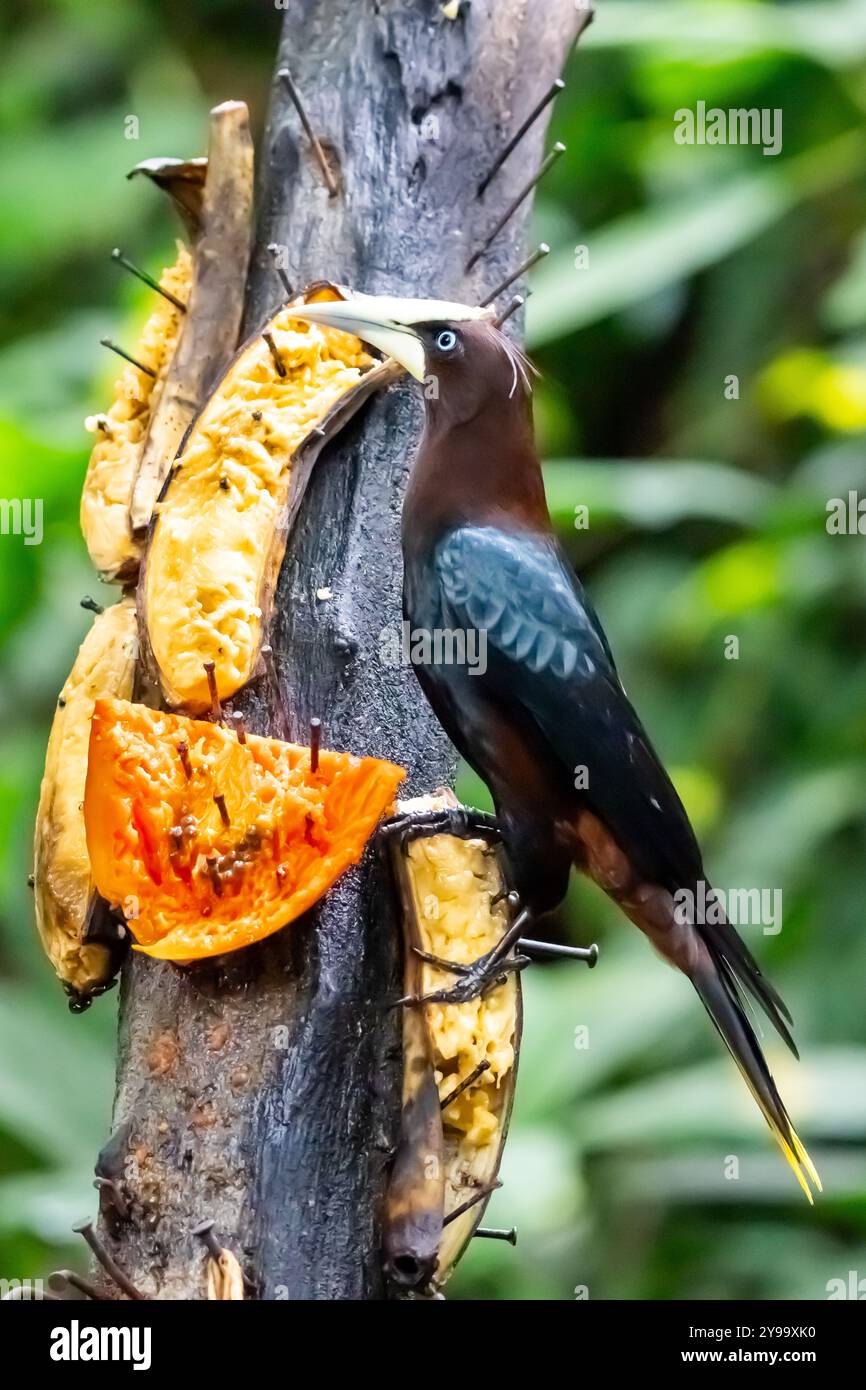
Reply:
x=542, y=715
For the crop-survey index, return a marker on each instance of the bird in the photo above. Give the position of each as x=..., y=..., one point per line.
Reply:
x=546, y=723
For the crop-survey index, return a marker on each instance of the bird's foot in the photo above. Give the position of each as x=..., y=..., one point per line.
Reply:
x=453, y=966
x=491, y=969
x=462, y=821
x=481, y=975
x=484, y=974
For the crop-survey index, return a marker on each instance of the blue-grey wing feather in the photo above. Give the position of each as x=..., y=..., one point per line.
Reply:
x=548, y=655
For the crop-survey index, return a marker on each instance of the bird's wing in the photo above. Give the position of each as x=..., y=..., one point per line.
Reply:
x=548, y=655
x=548, y=660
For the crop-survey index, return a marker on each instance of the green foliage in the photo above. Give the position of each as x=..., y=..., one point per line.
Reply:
x=706, y=520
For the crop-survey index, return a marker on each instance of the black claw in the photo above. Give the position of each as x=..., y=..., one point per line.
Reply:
x=484, y=975
x=452, y=966
x=464, y=823
x=406, y=999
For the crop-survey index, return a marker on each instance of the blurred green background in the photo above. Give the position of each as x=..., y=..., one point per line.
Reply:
x=706, y=520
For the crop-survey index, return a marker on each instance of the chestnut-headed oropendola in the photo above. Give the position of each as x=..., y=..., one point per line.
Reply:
x=480, y=554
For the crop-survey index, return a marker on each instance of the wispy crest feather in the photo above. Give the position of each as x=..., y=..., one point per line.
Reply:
x=520, y=363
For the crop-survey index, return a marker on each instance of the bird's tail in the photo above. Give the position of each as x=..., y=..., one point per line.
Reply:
x=716, y=983
x=719, y=965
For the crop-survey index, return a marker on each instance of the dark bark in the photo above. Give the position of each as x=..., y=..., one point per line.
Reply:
x=263, y=1092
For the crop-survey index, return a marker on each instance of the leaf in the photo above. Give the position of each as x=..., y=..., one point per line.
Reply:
x=642, y=253
x=64, y=166
x=695, y=1176
x=47, y=1204
x=844, y=305
x=825, y=1095
x=777, y=833
x=56, y=1094
x=654, y=494
x=834, y=34
x=577, y=1033
x=541, y=1184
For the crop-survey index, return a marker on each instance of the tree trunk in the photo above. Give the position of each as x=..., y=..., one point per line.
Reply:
x=263, y=1091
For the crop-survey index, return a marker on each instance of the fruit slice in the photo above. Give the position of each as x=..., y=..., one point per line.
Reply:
x=81, y=940
x=123, y=431
x=222, y=524
x=183, y=351
x=451, y=893
x=209, y=844
x=223, y=233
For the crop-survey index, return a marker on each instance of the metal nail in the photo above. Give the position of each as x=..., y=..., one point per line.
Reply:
x=558, y=149
x=118, y=256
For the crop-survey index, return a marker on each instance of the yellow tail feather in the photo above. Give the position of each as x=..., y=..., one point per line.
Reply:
x=795, y=1152
x=800, y=1160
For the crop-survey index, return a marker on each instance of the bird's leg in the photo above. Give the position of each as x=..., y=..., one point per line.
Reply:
x=461, y=821
x=439, y=961
x=465, y=823
x=485, y=972
x=490, y=969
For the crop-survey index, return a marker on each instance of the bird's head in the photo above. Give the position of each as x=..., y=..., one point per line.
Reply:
x=454, y=350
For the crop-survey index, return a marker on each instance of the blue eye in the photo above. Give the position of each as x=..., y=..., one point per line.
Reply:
x=446, y=341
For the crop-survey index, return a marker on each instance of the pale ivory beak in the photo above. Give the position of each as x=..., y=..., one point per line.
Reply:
x=386, y=323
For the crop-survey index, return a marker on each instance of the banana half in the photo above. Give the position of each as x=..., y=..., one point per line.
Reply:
x=449, y=1153
x=83, y=941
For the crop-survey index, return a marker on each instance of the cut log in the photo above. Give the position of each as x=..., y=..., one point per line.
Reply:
x=263, y=1091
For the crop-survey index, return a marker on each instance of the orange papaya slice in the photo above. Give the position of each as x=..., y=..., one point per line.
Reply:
x=208, y=843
